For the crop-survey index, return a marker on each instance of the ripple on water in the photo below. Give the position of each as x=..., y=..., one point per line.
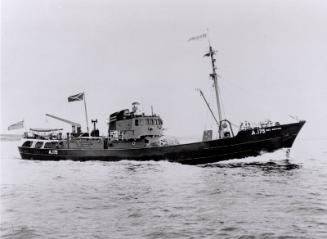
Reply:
x=23, y=232
x=238, y=199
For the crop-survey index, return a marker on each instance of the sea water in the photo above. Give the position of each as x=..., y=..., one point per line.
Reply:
x=269, y=196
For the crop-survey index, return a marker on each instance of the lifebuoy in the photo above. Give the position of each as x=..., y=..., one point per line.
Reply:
x=133, y=143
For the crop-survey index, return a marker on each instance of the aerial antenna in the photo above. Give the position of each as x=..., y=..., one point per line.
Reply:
x=208, y=38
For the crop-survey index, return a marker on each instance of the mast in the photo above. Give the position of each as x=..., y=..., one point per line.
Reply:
x=214, y=77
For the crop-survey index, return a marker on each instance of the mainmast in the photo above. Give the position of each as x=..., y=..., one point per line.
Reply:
x=214, y=77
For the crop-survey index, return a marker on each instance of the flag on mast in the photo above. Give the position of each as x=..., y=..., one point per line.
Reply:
x=204, y=35
x=77, y=97
x=18, y=125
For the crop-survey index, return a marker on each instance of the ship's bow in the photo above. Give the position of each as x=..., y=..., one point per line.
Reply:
x=290, y=133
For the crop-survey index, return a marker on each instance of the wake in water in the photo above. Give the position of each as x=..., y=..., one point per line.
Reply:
x=283, y=165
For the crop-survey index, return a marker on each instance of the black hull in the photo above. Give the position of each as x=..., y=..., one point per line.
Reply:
x=244, y=144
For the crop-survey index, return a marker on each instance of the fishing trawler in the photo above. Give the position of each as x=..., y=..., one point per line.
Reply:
x=134, y=135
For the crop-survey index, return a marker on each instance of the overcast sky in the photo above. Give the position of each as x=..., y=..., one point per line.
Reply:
x=272, y=60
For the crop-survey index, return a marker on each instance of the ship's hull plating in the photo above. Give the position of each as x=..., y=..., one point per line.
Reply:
x=244, y=144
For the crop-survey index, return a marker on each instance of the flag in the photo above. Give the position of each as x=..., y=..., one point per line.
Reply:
x=18, y=125
x=198, y=37
x=76, y=97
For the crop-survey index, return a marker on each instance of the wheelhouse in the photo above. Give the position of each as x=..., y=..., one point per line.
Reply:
x=126, y=125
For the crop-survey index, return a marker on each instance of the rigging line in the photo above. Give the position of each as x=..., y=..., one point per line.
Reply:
x=211, y=89
x=220, y=96
x=207, y=103
x=233, y=85
x=210, y=100
x=220, y=92
x=222, y=102
x=211, y=95
x=222, y=105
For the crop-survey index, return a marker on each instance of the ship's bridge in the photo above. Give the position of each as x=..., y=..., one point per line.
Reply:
x=126, y=125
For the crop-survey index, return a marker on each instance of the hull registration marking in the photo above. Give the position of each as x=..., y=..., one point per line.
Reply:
x=53, y=151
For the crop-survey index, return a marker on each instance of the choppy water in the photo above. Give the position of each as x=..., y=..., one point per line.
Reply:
x=263, y=197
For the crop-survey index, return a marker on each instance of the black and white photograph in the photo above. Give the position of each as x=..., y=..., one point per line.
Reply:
x=163, y=119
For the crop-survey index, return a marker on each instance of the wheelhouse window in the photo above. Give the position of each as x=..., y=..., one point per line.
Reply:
x=140, y=121
x=136, y=122
x=27, y=144
x=38, y=145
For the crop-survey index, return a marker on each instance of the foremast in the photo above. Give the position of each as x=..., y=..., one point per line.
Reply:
x=214, y=77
